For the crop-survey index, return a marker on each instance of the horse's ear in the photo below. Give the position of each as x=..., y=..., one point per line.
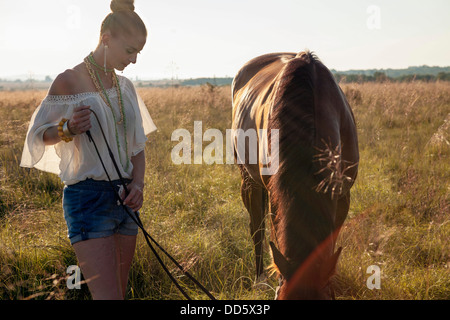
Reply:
x=329, y=268
x=280, y=261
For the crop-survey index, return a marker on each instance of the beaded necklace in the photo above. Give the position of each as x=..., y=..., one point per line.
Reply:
x=101, y=89
x=92, y=60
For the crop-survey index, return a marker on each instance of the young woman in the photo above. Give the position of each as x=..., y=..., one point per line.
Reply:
x=101, y=232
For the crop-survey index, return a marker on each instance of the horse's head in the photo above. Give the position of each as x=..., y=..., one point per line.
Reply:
x=307, y=280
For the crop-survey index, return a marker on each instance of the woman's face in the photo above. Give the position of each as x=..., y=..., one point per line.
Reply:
x=123, y=49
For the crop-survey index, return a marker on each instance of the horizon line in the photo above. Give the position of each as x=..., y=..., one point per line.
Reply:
x=37, y=77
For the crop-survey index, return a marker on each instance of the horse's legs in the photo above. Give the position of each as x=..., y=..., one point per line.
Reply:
x=253, y=198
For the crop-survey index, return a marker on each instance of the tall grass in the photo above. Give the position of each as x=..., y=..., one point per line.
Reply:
x=399, y=217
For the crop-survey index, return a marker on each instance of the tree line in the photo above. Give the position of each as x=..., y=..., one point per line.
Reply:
x=382, y=77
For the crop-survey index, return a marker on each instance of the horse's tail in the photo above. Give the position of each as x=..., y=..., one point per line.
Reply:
x=293, y=115
x=299, y=208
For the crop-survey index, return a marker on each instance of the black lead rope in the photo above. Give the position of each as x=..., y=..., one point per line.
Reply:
x=138, y=221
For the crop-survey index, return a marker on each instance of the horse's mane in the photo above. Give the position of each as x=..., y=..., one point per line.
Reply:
x=291, y=188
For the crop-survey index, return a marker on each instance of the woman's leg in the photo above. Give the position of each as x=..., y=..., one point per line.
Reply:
x=99, y=263
x=126, y=247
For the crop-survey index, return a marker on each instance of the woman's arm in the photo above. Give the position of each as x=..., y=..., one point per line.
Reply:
x=135, y=197
x=51, y=136
x=80, y=121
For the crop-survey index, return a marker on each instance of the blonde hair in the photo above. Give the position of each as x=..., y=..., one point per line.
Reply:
x=123, y=19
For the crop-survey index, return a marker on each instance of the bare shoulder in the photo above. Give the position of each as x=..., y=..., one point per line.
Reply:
x=70, y=82
x=64, y=83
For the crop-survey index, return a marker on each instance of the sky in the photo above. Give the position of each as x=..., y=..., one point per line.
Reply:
x=214, y=38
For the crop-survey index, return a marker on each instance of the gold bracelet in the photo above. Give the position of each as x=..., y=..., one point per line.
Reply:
x=67, y=131
x=61, y=131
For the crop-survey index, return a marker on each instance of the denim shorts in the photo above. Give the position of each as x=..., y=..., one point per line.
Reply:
x=91, y=210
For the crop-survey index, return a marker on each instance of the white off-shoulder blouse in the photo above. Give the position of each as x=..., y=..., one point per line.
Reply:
x=77, y=160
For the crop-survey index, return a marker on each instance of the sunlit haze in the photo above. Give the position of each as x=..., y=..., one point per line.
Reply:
x=207, y=38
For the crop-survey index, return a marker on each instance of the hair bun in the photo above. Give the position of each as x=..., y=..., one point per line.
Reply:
x=122, y=5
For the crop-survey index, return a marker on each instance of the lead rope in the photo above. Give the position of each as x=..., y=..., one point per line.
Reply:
x=138, y=221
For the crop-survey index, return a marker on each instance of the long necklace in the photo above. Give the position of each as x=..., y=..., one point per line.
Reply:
x=101, y=89
x=92, y=60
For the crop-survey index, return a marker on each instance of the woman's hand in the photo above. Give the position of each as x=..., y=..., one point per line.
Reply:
x=80, y=121
x=135, y=197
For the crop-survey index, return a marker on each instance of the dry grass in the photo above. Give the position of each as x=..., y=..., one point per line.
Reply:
x=334, y=169
x=399, y=218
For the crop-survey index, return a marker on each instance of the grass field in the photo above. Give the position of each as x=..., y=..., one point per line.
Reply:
x=399, y=219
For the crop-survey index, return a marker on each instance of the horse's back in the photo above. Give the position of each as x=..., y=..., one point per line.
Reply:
x=257, y=84
x=253, y=91
x=255, y=65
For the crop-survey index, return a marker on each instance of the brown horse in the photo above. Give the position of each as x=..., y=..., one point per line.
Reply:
x=293, y=101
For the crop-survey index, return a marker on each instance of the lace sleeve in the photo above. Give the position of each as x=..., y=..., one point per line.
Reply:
x=147, y=121
x=35, y=153
x=144, y=124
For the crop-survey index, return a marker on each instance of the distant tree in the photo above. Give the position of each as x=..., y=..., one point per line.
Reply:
x=443, y=76
x=380, y=77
